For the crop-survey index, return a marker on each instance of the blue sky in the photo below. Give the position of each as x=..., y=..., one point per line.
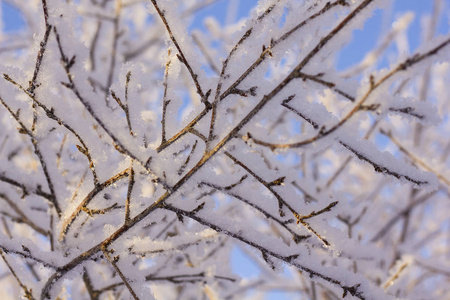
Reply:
x=363, y=41
x=12, y=20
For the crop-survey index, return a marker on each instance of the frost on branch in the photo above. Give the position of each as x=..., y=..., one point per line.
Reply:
x=137, y=154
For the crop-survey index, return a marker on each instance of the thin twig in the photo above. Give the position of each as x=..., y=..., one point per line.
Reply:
x=397, y=217
x=415, y=159
x=23, y=129
x=116, y=36
x=129, y=191
x=23, y=218
x=113, y=261
x=165, y=100
x=180, y=52
x=206, y=54
x=26, y=290
x=186, y=162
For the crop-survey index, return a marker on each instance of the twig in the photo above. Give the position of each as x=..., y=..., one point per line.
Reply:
x=183, y=278
x=116, y=36
x=378, y=167
x=285, y=103
x=113, y=261
x=93, y=46
x=206, y=54
x=128, y=56
x=43, y=46
x=26, y=290
x=123, y=106
x=414, y=158
x=314, y=213
x=350, y=224
x=129, y=191
x=89, y=287
x=165, y=100
x=397, y=217
x=180, y=52
x=186, y=162
x=25, y=190
x=23, y=129
x=23, y=218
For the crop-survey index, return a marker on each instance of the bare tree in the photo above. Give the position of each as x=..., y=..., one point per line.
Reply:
x=137, y=154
